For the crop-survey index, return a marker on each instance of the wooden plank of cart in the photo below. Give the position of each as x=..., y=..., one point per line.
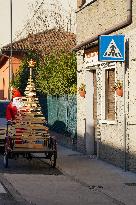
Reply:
x=27, y=136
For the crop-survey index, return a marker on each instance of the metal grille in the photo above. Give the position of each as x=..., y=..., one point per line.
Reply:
x=62, y=114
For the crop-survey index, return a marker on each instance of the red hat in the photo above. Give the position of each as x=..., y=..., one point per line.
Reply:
x=16, y=93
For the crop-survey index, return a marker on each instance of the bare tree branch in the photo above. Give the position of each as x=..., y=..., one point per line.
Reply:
x=46, y=15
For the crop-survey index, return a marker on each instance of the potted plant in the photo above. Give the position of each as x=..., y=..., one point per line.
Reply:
x=82, y=91
x=119, y=88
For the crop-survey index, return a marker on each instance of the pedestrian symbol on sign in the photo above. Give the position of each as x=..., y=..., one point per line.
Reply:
x=112, y=50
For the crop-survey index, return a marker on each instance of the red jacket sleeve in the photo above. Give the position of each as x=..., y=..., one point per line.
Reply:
x=8, y=112
x=11, y=112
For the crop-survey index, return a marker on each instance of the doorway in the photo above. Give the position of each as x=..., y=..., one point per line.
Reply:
x=91, y=111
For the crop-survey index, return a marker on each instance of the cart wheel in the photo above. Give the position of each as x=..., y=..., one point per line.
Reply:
x=29, y=157
x=53, y=160
x=5, y=160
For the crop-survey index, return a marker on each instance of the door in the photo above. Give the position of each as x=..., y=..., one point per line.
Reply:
x=91, y=111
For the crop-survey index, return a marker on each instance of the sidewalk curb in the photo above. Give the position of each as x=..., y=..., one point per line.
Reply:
x=17, y=197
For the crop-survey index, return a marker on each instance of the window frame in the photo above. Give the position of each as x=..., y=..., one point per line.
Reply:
x=103, y=68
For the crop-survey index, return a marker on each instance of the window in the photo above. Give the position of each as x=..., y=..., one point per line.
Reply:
x=109, y=94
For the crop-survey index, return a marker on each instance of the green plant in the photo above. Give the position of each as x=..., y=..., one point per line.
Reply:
x=54, y=74
x=57, y=75
x=118, y=84
x=21, y=77
x=82, y=87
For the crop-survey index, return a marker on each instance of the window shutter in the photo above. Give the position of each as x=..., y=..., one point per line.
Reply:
x=110, y=94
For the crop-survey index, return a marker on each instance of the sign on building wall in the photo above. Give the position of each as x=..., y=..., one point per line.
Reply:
x=111, y=48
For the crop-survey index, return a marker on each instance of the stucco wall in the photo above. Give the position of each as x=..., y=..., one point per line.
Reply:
x=81, y=114
x=131, y=101
x=112, y=132
x=115, y=135
x=4, y=74
x=100, y=16
x=4, y=78
x=16, y=60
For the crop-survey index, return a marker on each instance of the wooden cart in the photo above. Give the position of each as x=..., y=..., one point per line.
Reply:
x=28, y=136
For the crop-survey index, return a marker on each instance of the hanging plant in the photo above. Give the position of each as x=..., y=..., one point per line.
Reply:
x=82, y=90
x=119, y=88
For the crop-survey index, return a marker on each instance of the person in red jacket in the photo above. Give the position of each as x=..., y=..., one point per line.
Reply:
x=13, y=106
x=12, y=110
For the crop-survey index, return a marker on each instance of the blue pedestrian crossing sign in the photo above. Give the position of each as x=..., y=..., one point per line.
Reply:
x=111, y=48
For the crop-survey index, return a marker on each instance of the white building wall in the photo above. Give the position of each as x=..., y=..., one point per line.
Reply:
x=81, y=114
x=118, y=135
x=131, y=101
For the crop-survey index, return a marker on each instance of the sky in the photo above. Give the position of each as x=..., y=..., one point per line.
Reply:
x=21, y=13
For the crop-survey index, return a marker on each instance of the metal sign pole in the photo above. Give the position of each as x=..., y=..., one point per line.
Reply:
x=125, y=151
x=11, y=52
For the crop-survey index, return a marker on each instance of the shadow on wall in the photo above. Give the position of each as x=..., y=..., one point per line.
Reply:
x=111, y=154
x=118, y=157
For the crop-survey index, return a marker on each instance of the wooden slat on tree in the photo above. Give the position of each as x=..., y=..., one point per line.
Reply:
x=37, y=126
x=29, y=127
